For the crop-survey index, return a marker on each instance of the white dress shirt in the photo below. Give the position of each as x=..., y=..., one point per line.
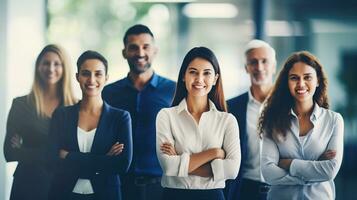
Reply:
x=307, y=178
x=215, y=129
x=251, y=167
x=85, y=141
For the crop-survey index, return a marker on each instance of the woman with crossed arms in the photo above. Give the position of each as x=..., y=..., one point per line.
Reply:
x=302, y=138
x=29, y=121
x=90, y=141
x=197, y=140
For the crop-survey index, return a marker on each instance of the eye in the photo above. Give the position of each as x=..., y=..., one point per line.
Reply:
x=293, y=78
x=191, y=71
x=146, y=47
x=85, y=73
x=58, y=64
x=207, y=73
x=308, y=78
x=132, y=48
x=252, y=62
x=99, y=74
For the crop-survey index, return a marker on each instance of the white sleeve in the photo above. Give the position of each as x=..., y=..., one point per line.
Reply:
x=324, y=170
x=171, y=165
x=272, y=173
x=228, y=168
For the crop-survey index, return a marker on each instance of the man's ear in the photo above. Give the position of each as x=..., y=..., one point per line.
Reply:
x=123, y=53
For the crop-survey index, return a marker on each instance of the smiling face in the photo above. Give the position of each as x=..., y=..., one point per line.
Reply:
x=199, y=78
x=302, y=82
x=260, y=65
x=92, y=77
x=139, y=51
x=50, y=68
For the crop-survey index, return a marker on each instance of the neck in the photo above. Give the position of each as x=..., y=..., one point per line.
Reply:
x=50, y=92
x=197, y=105
x=91, y=104
x=140, y=80
x=260, y=92
x=303, y=109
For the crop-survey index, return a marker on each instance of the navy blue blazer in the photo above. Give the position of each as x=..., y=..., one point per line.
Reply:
x=103, y=171
x=238, y=107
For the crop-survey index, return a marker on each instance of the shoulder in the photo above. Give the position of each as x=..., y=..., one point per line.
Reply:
x=238, y=99
x=228, y=117
x=117, y=112
x=166, y=112
x=332, y=115
x=114, y=86
x=163, y=81
x=22, y=100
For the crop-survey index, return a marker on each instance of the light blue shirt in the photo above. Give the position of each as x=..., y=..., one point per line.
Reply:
x=307, y=178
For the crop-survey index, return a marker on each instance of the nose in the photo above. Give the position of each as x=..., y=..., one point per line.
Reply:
x=301, y=82
x=141, y=52
x=260, y=65
x=199, y=78
x=51, y=67
x=91, y=79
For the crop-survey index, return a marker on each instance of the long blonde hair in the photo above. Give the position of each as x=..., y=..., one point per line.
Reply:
x=65, y=89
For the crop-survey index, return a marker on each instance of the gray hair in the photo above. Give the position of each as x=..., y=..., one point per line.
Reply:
x=255, y=44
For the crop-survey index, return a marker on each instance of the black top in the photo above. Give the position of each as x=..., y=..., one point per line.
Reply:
x=31, y=179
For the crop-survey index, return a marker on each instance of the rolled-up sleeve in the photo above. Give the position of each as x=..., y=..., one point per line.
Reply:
x=327, y=169
x=228, y=168
x=171, y=165
x=272, y=173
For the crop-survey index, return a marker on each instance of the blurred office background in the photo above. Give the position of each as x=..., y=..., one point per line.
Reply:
x=327, y=28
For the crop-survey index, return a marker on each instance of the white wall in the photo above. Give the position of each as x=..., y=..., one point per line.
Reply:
x=21, y=38
x=3, y=93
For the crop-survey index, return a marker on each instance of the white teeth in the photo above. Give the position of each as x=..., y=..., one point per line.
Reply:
x=301, y=91
x=198, y=86
x=91, y=86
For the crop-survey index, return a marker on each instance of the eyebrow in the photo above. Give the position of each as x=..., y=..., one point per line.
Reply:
x=298, y=75
x=193, y=68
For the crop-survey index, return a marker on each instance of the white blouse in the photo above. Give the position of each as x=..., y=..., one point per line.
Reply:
x=85, y=141
x=215, y=129
x=308, y=177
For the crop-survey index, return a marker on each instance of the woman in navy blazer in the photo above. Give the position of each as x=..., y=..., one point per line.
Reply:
x=90, y=142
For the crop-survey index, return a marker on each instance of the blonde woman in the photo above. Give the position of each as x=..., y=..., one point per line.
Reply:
x=29, y=119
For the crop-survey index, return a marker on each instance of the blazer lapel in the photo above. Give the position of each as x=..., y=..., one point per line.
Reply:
x=73, y=125
x=99, y=136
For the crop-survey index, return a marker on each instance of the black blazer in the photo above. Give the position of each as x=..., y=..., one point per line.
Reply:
x=114, y=126
x=24, y=121
x=238, y=107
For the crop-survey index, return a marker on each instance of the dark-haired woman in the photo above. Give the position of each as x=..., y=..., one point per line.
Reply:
x=90, y=141
x=29, y=121
x=302, y=139
x=197, y=140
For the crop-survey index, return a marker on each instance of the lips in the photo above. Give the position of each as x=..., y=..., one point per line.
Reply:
x=301, y=91
x=198, y=86
x=91, y=86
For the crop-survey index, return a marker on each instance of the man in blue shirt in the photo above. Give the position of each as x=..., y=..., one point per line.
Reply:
x=260, y=64
x=143, y=93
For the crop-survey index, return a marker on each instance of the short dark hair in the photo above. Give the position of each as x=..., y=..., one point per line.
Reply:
x=216, y=94
x=136, y=30
x=89, y=54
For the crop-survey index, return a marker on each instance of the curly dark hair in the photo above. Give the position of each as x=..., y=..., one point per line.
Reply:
x=275, y=119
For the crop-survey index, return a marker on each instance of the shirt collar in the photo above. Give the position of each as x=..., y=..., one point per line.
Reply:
x=251, y=99
x=154, y=81
x=315, y=113
x=183, y=106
